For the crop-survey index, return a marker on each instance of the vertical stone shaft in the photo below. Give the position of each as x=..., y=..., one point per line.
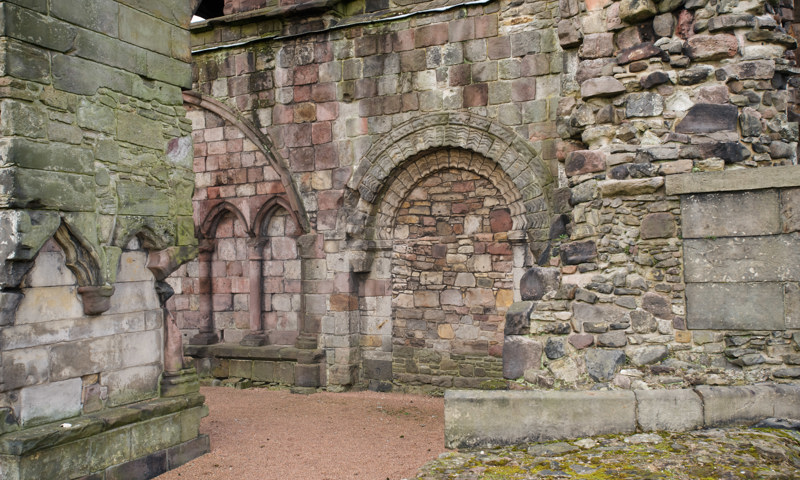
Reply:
x=207, y=336
x=256, y=293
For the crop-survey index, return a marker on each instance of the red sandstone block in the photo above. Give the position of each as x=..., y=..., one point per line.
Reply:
x=189, y=286
x=240, y=285
x=248, y=159
x=410, y=102
x=236, y=269
x=235, y=145
x=292, y=286
x=227, y=191
x=370, y=107
x=498, y=47
x=212, y=193
x=499, y=249
x=219, y=268
x=429, y=35
x=366, y=45
x=283, y=248
x=200, y=149
x=306, y=74
x=327, y=111
x=301, y=93
x=266, y=188
x=326, y=156
x=329, y=199
x=323, y=92
x=391, y=104
x=222, y=302
x=255, y=174
x=523, y=89
x=273, y=285
x=463, y=29
x=221, y=285
x=282, y=114
x=377, y=288
x=468, y=186
x=486, y=26
x=238, y=175
x=413, y=61
x=323, y=52
x=321, y=133
x=341, y=283
x=302, y=159
x=238, y=86
x=297, y=135
x=476, y=95
x=500, y=221
x=403, y=40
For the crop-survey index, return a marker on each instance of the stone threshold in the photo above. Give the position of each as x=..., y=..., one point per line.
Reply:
x=266, y=352
x=30, y=440
x=733, y=180
x=492, y=418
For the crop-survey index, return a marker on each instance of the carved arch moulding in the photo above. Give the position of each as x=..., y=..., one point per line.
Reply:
x=526, y=179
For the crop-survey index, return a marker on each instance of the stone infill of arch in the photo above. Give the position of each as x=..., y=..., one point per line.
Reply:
x=515, y=156
x=417, y=169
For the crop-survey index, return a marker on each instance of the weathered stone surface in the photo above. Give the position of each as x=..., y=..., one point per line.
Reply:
x=555, y=348
x=743, y=259
x=634, y=11
x=601, y=87
x=605, y=313
x=597, y=45
x=50, y=402
x=755, y=70
x=707, y=118
x=578, y=252
x=730, y=152
x=638, y=52
x=670, y=410
x=712, y=47
x=581, y=341
x=664, y=24
x=734, y=306
x=734, y=180
x=656, y=304
x=644, y=105
x=569, y=33
x=474, y=418
x=654, y=79
x=732, y=214
x=730, y=22
x=519, y=354
x=646, y=354
x=736, y=405
x=538, y=281
x=518, y=318
x=790, y=210
x=611, y=188
x=657, y=225
x=580, y=162
x=643, y=322
x=615, y=339
x=602, y=364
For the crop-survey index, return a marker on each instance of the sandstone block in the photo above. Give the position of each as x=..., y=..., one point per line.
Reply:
x=580, y=162
x=712, y=47
x=538, y=281
x=50, y=402
x=578, y=252
x=601, y=87
x=735, y=306
x=670, y=410
x=772, y=258
x=519, y=354
x=518, y=318
x=611, y=188
x=581, y=340
x=657, y=225
x=604, y=313
x=615, y=339
x=634, y=11
x=597, y=45
x=646, y=354
x=734, y=213
x=790, y=210
x=602, y=364
x=569, y=33
x=638, y=52
x=707, y=118
x=644, y=105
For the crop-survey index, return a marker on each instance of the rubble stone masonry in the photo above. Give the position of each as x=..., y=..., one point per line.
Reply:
x=559, y=194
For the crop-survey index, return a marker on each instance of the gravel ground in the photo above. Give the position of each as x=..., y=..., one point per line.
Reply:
x=266, y=434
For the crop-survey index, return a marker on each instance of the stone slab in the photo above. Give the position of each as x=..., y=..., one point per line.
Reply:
x=50, y=402
x=734, y=306
x=724, y=406
x=733, y=180
x=731, y=214
x=479, y=418
x=744, y=259
x=670, y=410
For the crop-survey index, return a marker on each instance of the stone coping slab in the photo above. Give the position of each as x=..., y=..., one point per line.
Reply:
x=266, y=352
x=30, y=440
x=733, y=180
x=491, y=418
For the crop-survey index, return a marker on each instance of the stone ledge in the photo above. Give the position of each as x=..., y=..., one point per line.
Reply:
x=30, y=440
x=486, y=419
x=733, y=180
x=266, y=352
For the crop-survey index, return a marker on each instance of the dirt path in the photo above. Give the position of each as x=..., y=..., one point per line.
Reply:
x=264, y=434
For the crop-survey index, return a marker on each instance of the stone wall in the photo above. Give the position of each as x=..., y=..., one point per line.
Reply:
x=572, y=117
x=95, y=189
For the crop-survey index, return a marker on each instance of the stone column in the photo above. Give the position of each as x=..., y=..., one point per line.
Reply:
x=207, y=336
x=310, y=248
x=257, y=335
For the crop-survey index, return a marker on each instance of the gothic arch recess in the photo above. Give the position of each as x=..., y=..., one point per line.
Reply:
x=262, y=143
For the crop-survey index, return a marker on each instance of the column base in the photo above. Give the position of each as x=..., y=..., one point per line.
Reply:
x=255, y=340
x=179, y=383
x=208, y=338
